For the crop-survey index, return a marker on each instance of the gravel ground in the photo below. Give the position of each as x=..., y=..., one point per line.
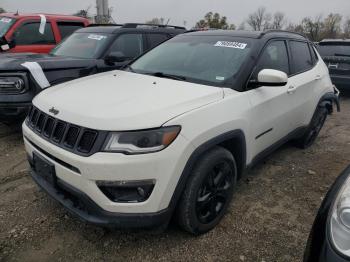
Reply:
x=269, y=219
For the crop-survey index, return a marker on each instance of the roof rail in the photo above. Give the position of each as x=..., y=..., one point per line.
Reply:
x=135, y=25
x=281, y=31
x=94, y=25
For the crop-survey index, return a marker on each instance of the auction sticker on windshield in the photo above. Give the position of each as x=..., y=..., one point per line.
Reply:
x=6, y=20
x=97, y=37
x=231, y=44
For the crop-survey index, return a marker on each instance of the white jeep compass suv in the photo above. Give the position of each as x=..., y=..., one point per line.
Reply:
x=172, y=134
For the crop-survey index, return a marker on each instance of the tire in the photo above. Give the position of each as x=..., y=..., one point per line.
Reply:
x=208, y=192
x=313, y=129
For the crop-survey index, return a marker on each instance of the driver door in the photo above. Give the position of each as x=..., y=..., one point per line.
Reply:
x=271, y=105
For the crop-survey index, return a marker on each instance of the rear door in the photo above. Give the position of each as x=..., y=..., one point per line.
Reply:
x=28, y=38
x=303, y=82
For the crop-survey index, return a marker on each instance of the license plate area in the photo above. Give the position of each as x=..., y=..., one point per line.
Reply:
x=44, y=169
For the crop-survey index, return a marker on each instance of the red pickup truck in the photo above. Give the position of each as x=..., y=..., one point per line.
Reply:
x=36, y=33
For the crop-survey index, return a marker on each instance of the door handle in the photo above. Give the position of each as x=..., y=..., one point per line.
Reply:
x=291, y=90
x=318, y=77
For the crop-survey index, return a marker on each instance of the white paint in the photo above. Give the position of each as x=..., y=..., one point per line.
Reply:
x=272, y=76
x=120, y=101
x=37, y=73
x=42, y=24
x=236, y=45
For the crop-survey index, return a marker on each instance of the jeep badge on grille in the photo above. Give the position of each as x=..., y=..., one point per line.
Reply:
x=54, y=111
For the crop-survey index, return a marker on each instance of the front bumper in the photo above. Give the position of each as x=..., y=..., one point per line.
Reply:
x=10, y=112
x=82, y=173
x=80, y=205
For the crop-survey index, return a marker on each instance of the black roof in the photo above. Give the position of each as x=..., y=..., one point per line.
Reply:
x=116, y=28
x=250, y=34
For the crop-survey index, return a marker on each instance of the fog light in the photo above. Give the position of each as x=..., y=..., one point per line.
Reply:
x=127, y=191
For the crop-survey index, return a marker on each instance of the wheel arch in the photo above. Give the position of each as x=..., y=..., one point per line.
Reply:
x=234, y=141
x=327, y=101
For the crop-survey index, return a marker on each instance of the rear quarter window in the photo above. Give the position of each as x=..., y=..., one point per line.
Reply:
x=301, y=57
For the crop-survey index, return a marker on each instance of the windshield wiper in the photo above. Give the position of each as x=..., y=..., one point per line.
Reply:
x=170, y=76
x=341, y=55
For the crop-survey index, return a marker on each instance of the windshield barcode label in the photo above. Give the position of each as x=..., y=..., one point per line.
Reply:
x=97, y=37
x=231, y=44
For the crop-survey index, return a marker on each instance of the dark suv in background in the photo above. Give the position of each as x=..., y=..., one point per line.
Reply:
x=336, y=54
x=88, y=51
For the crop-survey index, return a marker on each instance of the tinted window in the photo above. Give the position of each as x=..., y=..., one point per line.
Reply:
x=301, y=56
x=83, y=45
x=130, y=45
x=211, y=60
x=156, y=39
x=335, y=49
x=275, y=57
x=5, y=24
x=28, y=34
x=68, y=28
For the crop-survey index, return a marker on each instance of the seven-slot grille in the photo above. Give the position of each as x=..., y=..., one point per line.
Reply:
x=74, y=138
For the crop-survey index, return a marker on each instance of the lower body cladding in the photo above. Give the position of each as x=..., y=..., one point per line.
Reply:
x=110, y=189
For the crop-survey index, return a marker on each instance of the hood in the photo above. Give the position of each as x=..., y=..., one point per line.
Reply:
x=13, y=61
x=119, y=100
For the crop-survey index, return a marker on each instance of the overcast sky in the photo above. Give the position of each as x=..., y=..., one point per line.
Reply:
x=185, y=10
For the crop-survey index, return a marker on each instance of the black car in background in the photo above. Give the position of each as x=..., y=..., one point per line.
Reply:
x=88, y=51
x=329, y=240
x=336, y=54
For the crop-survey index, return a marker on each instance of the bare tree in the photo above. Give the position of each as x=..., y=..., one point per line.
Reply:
x=279, y=20
x=332, y=25
x=156, y=21
x=347, y=28
x=241, y=26
x=259, y=20
x=214, y=20
x=313, y=27
x=2, y=10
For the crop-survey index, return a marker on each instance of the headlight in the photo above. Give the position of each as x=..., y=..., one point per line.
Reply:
x=11, y=84
x=140, y=142
x=340, y=220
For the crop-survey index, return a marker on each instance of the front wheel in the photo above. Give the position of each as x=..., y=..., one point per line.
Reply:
x=313, y=129
x=208, y=191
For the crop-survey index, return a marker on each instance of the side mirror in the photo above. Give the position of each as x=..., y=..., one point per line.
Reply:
x=116, y=57
x=271, y=77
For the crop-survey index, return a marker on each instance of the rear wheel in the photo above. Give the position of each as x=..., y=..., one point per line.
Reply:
x=208, y=192
x=314, y=128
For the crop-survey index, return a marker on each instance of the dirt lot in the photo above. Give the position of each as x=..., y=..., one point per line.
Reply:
x=269, y=219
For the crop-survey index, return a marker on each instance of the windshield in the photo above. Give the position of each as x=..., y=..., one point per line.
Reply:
x=210, y=60
x=5, y=24
x=334, y=50
x=83, y=45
